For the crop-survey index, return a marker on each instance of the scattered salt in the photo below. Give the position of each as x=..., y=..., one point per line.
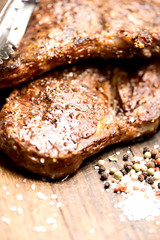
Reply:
x=24, y=180
x=41, y=196
x=17, y=185
x=33, y=186
x=51, y=203
x=4, y=188
x=5, y=220
x=156, y=146
x=50, y=220
x=118, y=153
x=39, y=229
x=42, y=160
x=19, y=211
x=53, y=196
x=92, y=230
x=7, y=193
x=13, y=208
x=19, y=197
x=59, y=204
x=96, y=167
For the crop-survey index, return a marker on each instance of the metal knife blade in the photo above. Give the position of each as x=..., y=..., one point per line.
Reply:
x=13, y=25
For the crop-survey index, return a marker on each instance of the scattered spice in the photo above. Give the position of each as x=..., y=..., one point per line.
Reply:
x=113, y=158
x=125, y=157
x=139, y=182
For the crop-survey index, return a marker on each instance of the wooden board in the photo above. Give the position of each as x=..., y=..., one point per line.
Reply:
x=85, y=212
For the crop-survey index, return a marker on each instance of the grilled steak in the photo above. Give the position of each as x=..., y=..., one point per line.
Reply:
x=63, y=31
x=52, y=124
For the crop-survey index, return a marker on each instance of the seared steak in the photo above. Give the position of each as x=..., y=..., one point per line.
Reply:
x=52, y=124
x=63, y=31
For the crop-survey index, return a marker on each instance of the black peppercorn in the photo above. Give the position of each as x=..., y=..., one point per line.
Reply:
x=101, y=169
x=106, y=185
x=125, y=157
x=104, y=176
x=128, y=167
x=124, y=172
x=141, y=178
x=146, y=149
x=154, y=152
x=150, y=180
x=145, y=174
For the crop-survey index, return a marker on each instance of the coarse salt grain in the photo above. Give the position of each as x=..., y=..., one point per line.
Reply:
x=54, y=196
x=50, y=220
x=59, y=204
x=33, y=186
x=42, y=160
x=13, y=208
x=24, y=180
x=19, y=197
x=17, y=185
x=41, y=196
x=5, y=220
x=51, y=203
x=7, y=193
x=156, y=146
x=118, y=153
x=92, y=230
x=39, y=229
x=19, y=211
x=4, y=188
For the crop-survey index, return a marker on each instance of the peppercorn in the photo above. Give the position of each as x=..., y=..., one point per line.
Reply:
x=150, y=171
x=150, y=180
x=118, y=175
x=137, y=167
x=106, y=185
x=100, y=163
x=145, y=174
x=134, y=177
x=141, y=178
x=101, y=169
x=146, y=149
x=104, y=176
x=112, y=170
x=147, y=155
x=125, y=157
x=159, y=185
x=150, y=164
x=154, y=152
x=123, y=171
x=128, y=166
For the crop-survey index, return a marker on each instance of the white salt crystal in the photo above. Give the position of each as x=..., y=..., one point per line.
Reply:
x=59, y=204
x=53, y=196
x=5, y=220
x=41, y=196
x=33, y=186
x=19, y=197
x=19, y=211
x=39, y=229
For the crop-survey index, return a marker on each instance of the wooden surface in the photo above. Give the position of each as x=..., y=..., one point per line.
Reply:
x=85, y=213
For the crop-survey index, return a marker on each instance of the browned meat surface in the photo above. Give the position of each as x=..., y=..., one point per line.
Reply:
x=52, y=124
x=63, y=31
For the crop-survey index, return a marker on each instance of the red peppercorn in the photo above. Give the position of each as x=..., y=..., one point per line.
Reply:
x=123, y=187
x=158, y=161
x=156, y=169
x=157, y=193
x=116, y=189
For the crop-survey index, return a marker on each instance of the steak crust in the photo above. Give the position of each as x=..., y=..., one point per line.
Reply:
x=52, y=124
x=64, y=31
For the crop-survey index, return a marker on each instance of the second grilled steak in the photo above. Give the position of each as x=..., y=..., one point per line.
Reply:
x=63, y=31
x=52, y=124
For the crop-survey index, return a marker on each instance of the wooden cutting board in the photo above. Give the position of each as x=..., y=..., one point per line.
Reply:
x=81, y=211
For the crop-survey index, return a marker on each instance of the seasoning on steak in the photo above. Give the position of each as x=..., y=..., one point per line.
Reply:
x=63, y=31
x=52, y=124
